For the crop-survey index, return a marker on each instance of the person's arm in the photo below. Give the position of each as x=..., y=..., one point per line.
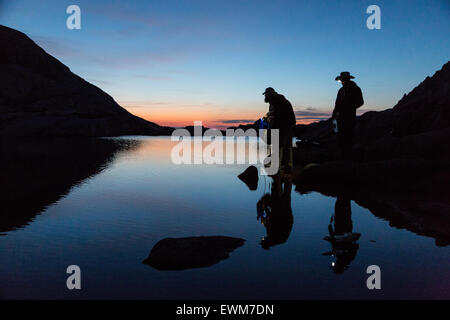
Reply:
x=271, y=114
x=336, y=105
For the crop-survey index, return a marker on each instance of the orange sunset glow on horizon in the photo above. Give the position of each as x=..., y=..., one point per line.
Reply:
x=181, y=117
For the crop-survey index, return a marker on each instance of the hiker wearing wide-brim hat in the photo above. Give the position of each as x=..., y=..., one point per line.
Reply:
x=349, y=98
x=345, y=75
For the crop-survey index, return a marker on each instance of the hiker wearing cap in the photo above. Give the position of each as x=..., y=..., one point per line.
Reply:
x=281, y=116
x=349, y=98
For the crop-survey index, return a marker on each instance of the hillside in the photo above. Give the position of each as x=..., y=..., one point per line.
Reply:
x=40, y=96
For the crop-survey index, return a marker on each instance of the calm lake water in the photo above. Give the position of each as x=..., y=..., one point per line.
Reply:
x=103, y=205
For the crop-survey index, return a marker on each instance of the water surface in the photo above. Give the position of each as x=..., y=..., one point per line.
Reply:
x=104, y=204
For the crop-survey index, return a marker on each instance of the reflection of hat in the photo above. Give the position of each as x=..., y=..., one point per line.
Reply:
x=345, y=75
x=269, y=90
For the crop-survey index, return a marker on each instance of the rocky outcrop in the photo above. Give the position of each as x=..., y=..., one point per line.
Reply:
x=39, y=96
x=418, y=126
x=424, y=109
x=193, y=252
x=401, y=159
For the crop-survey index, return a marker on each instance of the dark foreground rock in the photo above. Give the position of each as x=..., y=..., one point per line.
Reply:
x=250, y=177
x=41, y=97
x=193, y=252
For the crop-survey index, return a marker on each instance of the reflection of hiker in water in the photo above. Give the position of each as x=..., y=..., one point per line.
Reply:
x=281, y=116
x=275, y=213
x=349, y=98
x=342, y=239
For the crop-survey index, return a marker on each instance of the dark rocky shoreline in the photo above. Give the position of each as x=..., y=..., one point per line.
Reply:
x=401, y=159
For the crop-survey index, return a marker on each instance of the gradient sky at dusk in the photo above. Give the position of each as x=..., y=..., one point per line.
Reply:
x=173, y=62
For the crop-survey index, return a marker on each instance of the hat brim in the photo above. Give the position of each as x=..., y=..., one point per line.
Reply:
x=338, y=78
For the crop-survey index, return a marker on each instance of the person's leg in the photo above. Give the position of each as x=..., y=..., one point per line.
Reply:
x=345, y=139
x=341, y=142
x=281, y=156
x=342, y=216
x=291, y=151
x=281, y=145
x=285, y=151
x=289, y=157
x=349, y=141
x=276, y=188
x=288, y=154
x=347, y=153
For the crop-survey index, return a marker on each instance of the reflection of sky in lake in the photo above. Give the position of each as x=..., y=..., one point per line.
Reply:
x=108, y=224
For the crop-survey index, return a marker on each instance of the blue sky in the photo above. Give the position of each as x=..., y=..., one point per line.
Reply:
x=173, y=62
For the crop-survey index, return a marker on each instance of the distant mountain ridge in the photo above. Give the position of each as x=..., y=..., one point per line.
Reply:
x=40, y=96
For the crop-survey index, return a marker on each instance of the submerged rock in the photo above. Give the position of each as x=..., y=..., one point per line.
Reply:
x=250, y=177
x=192, y=252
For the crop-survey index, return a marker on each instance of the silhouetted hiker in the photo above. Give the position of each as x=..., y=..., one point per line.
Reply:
x=342, y=238
x=281, y=116
x=275, y=212
x=349, y=98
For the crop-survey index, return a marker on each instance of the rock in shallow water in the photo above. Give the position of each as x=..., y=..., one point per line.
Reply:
x=192, y=252
x=250, y=177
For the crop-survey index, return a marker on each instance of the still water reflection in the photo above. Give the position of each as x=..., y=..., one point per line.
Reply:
x=103, y=205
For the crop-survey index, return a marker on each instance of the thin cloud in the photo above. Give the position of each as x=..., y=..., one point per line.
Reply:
x=235, y=121
x=154, y=78
x=122, y=14
x=163, y=56
x=299, y=113
x=311, y=115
